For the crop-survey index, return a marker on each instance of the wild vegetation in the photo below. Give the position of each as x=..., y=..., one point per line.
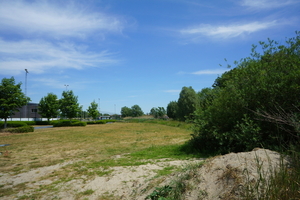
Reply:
x=231, y=116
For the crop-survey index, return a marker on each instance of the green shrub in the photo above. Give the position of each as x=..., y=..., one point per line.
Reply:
x=12, y=124
x=30, y=123
x=110, y=120
x=43, y=122
x=78, y=124
x=91, y=122
x=23, y=129
x=160, y=193
x=101, y=122
x=60, y=123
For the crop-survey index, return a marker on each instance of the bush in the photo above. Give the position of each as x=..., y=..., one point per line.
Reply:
x=23, y=129
x=13, y=124
x=78, y=124
x=43, y=122
x=30, y=123
x=60, y=123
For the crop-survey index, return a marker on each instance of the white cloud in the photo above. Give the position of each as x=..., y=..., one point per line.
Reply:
x=40, y=56
x=210, y=72
x=41, y=17
x=172, y=91
x=267, y=4
x=227, y=31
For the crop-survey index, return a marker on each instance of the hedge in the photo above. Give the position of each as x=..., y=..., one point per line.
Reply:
x=101, y=121
x=23, y=129
x=60, y=123
x=12, y=124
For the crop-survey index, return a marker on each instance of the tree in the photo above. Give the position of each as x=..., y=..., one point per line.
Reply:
x=187, y=103
x=69, y=105
x=49, y=106
x=11, y=98
x=93, y=110
x=172, y=110
x=125, y=111
x=136, y=111
x=159, y=112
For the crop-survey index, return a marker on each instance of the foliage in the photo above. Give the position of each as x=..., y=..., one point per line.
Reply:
x=11, y=98
x=227, y=120
x=42, y=122
x=69, y=105
x=125, y=111
x=23, y=129
x=93, y=110
x=13, y=124
x=30, y=123
x=136, y=111
x=159, y=112
x=172, y=110
x=49, y=106
x=187, y=103
x=101, y=121
x=60, y=123
x=160, y=193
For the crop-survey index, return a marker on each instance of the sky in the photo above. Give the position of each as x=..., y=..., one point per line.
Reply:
x=132, y=52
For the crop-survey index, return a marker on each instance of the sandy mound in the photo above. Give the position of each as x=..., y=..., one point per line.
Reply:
x=223, y=177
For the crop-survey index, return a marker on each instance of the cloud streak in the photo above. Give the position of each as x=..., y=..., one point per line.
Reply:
x=267, y=4
x=55, y=21
x=209, y=72
x=41, y=56
x=226, y=31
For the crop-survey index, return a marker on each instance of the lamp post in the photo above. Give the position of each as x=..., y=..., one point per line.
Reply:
x=26, y=72
x=66, y=87
x=99, y=107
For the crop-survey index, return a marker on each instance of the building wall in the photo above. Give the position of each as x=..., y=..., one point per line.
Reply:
x=28, y=111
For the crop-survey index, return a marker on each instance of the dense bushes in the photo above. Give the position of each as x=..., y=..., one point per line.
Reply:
x=101, y=121
x=42, y=122
x=60, y=123
x=17, y=127
x=12, y=124
x=23, y=129
x=30, y=123
x=228, y=115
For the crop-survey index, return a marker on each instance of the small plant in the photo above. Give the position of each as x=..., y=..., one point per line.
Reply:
x=160, y=193
x=87, y=192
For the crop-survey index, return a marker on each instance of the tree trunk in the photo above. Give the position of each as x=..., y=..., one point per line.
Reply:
x=5, y=123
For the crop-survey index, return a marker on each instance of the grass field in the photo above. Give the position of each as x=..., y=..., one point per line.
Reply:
x=90, y=148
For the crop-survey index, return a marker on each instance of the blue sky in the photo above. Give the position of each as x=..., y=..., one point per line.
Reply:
x=127, y=52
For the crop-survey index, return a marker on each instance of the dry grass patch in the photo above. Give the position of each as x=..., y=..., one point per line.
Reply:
x=50, y=146
x=47, y=160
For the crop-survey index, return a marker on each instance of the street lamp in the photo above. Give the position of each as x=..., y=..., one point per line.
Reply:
x=26, y=72
x=66, y=87
x=99, y=107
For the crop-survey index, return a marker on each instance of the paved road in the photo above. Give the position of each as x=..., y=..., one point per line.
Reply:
x=39, y=127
